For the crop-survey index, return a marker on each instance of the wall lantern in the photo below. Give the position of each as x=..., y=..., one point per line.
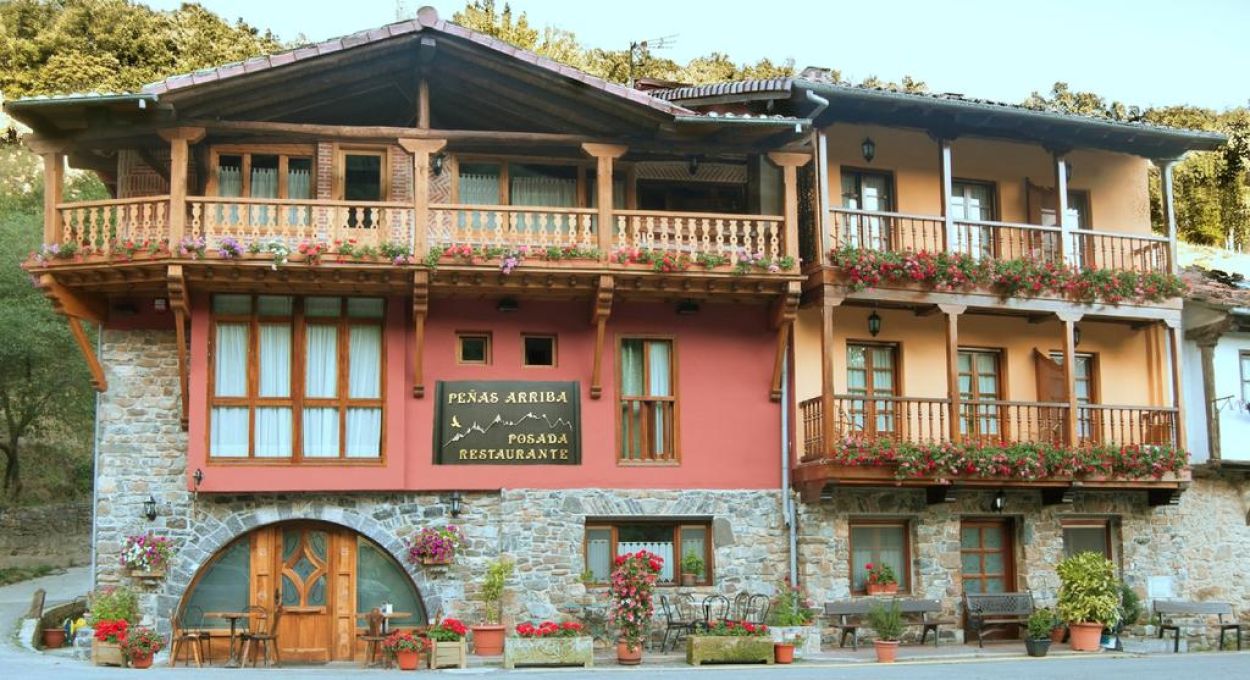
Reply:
x=1067, y=171
x=874, y=323
x=687, y=306
x=869, y=149
x=437, y=163
x=508, y=305
x=692, y=165
x=149, y=508
x=1076, y=335
x=1000, y=501
x=197, y=477
x=455, y=503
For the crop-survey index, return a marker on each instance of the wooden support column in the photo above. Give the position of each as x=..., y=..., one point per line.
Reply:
x=421, y=150
x=604, y=155
x=785, y=310
x=1178, y=402
x=1207, y=337
x=948, y=218
x=952, y=313
x=53, y=187
x=1067, y=248
x=1169, y=209
x=76, y=308
x=423, y=104
x=420, y=308
x=790, y=163
x=1071, y=418
x=599, y=317
x=829, y=300
x=179, y=138
x=180, y=303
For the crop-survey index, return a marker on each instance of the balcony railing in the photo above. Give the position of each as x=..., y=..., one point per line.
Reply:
x=294, y=220
x=922, y=420
x=701, y=233
x=512, y=226
x=886, y=231
x=101, y=224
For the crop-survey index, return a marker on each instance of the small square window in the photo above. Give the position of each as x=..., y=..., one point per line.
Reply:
x=540, y=350
x=473, y=348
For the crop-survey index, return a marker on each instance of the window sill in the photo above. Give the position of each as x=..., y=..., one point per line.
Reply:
x=291, y=462
x=648, y=463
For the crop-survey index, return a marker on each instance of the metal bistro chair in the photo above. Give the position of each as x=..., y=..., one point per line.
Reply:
x=266, y=638
x=757, y=609
x=741, y=602
x=675, y=622
x=715, y=608
x=189, y=638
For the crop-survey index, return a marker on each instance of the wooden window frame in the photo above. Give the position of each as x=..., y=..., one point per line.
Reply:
x=996, y=196
x=897, y=349
x=675, y=429
x=555, y=347
x=341, y=152
x=889, y=176
x=489, y=354
x=505, y=163
x=904, y=579
x=284, y=152
x=677, y=525
x=1000, y=369
x=296, y=400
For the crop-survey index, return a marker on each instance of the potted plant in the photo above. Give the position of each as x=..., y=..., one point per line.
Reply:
x=434, y=545
x=488, y=636
x=406, y=648
x=146, y=556
x=1037, y=638
x=731, y=642
x=550, y=644
x=53, y=638
x=790, y=621
x=112, y=612
x=447, y=646
x=1131, y=612
x=1089, y=598
x=140, y=645
x=887, y=623
x=691, y=569
x=633, y=580
x=783, y=651
x=881, y=579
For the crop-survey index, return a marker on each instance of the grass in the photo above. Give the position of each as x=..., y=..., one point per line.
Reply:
x=10, y=575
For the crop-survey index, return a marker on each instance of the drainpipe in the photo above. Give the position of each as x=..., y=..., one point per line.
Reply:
x=820, y=102
x=95, y=459
x=787, y=505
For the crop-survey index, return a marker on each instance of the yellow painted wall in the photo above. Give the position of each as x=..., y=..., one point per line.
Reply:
x=1117, y=183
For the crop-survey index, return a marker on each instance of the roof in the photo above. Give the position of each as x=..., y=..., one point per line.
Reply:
x=753, y=86
x=1215, y=276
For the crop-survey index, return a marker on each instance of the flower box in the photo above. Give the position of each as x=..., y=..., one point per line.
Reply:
x=453, y=654
x=810, y=635
x=153, y=575
x=106, y=654
x=701, y=649
x=882, y=588
x=552, y=651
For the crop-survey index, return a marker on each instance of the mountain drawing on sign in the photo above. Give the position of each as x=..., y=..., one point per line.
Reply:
x=476, y=428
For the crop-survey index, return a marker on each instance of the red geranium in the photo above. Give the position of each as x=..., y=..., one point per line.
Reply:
x=112, y=630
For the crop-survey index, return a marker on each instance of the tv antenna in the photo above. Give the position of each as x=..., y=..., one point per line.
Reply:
x=639, y=47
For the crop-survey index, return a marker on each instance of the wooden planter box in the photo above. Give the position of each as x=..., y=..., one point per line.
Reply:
x=448, y=654
x=106, y=654
x=701, y=649
x=811, y=638
x=154, y=575
x=574, y=651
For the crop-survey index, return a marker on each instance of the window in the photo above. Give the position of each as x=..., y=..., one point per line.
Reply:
x=672, y=541
x=379, y=579
x=974, y=201
x=648, y=401
x=979, y=383
x=1087, y=536
x=1083, y=376
x=880, y=542
x=1245, y=376
x=862, y=190
x=298, y=379
x=540, y=350
x=473, y=348
x=363, y=176
x=285, y=172
x=870, y=372
x=222, y=585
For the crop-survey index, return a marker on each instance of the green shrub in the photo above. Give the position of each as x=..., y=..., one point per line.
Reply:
x=1089, y=592
x=497, y=575
x=112, y=604
x=692, y=564
x=1041, y=622
x=887, y=622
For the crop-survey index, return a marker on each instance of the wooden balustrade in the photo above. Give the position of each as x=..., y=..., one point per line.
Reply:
x=917, y=420
x=993, y=422
x=812, y=416
x=1125, y=425
x=731, y=236
x=1008, y=241
x=508, y=226
x=250, y=220
x=104, y=225
x=1144, y=253
x=885, y=231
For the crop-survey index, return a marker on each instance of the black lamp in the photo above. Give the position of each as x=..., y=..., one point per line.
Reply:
x=1076, y=335
x=874, y=323
x=455, y=503
x=687, y=306
x=1000, y=501
x=149, y=508
x=437, y=163
x=692, y=164
x=197, y=477
x=869, y=149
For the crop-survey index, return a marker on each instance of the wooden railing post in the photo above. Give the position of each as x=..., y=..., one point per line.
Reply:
x=53, y=155
x=179, y=138
x=1071, y=419
x=421, y=150
x=790, y=163
x=952, y=313
x=604, y=155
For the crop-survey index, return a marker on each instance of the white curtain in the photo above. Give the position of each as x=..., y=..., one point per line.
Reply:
x=664, y=550
x=877, y=545
x=273, y=432
x=229, y=432
x=298, y=186
x=229, y=185
x=275, y=360
x=364, y=425
x=364, y=432
x=631, y=386
x=230, y=378
x=479, y=189
x=321, y=432
x=321, y=359
x=552, y=192
x=599, y=558
x=661, y=386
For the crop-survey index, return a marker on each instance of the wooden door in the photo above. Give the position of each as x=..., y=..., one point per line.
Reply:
x=303, y=566
x=871, y=372
x=980, y=388
x=987, y=560
x=1052, y=387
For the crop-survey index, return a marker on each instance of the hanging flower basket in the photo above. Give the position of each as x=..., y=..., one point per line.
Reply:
x=146, y=556
x=434, y=546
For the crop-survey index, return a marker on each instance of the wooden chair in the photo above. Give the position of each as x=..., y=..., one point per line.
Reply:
x=266, y=638
x=373, y=639
x=189, y=639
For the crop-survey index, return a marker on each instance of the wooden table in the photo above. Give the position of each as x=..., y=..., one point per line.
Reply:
x=233, y=617
x=385, y=625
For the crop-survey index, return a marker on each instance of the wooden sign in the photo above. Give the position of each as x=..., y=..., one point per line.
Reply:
x=506, y=422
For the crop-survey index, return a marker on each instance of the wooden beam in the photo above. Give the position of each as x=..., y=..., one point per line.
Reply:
x=952, y=313
x=180, y=304
x=179, y=139
x=421, y=149
x=1072, y=417
x=828, y=302
x=420, y=308
x=98, y=381
x=936, y=495
x=790, y=164
x=69, y=303
x=384, y=132
x=785, y=311
x=1175, y=335
x=604, y=154
x=423, y=104
x=53, y=188
x=599, y=317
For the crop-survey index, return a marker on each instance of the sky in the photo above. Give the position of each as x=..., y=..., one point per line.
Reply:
x=1142, y=52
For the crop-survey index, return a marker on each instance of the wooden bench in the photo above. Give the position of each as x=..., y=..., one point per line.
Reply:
x=848, y=616
x=1169, y=610
x=996, y=609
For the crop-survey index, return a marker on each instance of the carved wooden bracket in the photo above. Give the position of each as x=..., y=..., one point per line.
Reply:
x=420, y=308
x=785, y=310
x=75, y=308
x=180, y=303
x=599, y=317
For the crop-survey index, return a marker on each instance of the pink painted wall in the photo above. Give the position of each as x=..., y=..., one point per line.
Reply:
x=729, y=430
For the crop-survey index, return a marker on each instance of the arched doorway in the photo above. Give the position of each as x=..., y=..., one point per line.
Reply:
x=323, y=575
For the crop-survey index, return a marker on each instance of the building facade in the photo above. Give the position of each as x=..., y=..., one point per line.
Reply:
x=415, y=277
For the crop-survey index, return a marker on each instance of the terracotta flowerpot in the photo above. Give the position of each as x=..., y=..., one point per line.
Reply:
x=488, y=640
x=627, y=655
x=882, y=588
x=141, y=661
x=1056, y=634
x=53, y=638
x=784, y=653
x=1084, y=637
x=688, y=580
x=887, y=651
x=408, y=659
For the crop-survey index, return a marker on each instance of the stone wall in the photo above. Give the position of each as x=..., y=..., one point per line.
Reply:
x=57, y=535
